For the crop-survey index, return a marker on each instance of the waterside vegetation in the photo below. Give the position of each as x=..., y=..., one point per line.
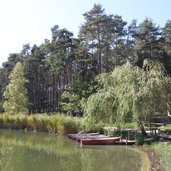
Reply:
x=53, y=124
x=113, y=74
x=163, y=151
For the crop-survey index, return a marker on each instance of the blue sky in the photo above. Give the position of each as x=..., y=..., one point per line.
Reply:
x=30, y=21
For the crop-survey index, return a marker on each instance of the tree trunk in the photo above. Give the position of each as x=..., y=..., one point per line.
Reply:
x=144, y=134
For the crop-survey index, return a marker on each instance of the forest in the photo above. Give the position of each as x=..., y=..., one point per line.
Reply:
x=111, y=66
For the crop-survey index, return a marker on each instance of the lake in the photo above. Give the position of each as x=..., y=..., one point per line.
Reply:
x=25, y=151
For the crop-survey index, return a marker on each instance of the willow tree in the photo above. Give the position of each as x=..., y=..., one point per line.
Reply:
x=137, y=93
x=15, y=93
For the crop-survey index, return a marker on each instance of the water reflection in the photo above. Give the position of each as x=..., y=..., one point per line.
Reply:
x=33, y=152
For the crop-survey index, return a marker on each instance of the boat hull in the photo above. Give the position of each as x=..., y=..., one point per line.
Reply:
x=99, y=141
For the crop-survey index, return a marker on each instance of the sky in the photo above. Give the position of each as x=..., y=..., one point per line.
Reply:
x=30, y=21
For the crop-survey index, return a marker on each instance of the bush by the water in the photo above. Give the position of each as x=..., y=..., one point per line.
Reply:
x=55, y=124
x=139, y=139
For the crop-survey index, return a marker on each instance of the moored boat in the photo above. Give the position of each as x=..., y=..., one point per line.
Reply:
x=99, y=140
x=79, y=136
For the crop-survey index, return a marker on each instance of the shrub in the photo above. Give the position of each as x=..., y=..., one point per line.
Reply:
x=139, y=139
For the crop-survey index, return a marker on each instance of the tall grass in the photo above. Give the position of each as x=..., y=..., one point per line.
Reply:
x=54, y=124
x=163, y=149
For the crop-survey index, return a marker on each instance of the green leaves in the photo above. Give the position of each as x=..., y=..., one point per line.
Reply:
x=16, y=93
x=103, y=36
x=147, y=42
x=73, y=99
x=133, y=92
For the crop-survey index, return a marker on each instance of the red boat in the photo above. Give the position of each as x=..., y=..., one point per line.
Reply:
x=99, y=140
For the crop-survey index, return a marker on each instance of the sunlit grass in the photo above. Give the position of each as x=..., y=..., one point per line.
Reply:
x=163, y=149
x=54, y=124
x=167, y=127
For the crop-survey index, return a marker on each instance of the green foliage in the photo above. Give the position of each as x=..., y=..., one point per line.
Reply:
x=16, y=94
x=129, y=93
x=99, y=107
x=71, y=103
x=100, y=33
x=72, y=124
x=147, y=42
x=94, y=127
x=104, y=42
x=166, y=45
x=139, y=139
x=74, y=97
x=54, y=124
x=167, y=127
x=130, y=125
x=54, y=62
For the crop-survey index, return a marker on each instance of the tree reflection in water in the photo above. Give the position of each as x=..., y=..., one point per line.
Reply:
x=33, y=152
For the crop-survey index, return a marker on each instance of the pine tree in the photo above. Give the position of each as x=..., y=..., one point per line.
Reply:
x=166, y=45
x=147, y=42
x=103, y=36
x=16, y=93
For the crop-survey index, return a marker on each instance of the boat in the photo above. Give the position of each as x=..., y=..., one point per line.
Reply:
x=90, y=136
x=79, y=136
x=99, y=140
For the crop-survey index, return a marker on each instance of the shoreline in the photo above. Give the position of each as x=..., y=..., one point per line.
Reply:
x=155, y=164
x=153, y=157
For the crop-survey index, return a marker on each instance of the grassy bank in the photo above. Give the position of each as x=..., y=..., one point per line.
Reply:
x=163, y=150
x=62, y=124
x=55, y=124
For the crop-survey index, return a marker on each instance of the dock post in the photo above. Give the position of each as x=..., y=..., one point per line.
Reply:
x=81, y=144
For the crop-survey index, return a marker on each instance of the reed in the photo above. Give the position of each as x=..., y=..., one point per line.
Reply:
x=54, y=124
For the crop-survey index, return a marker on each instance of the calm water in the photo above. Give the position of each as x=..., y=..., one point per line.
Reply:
x=21, y=151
